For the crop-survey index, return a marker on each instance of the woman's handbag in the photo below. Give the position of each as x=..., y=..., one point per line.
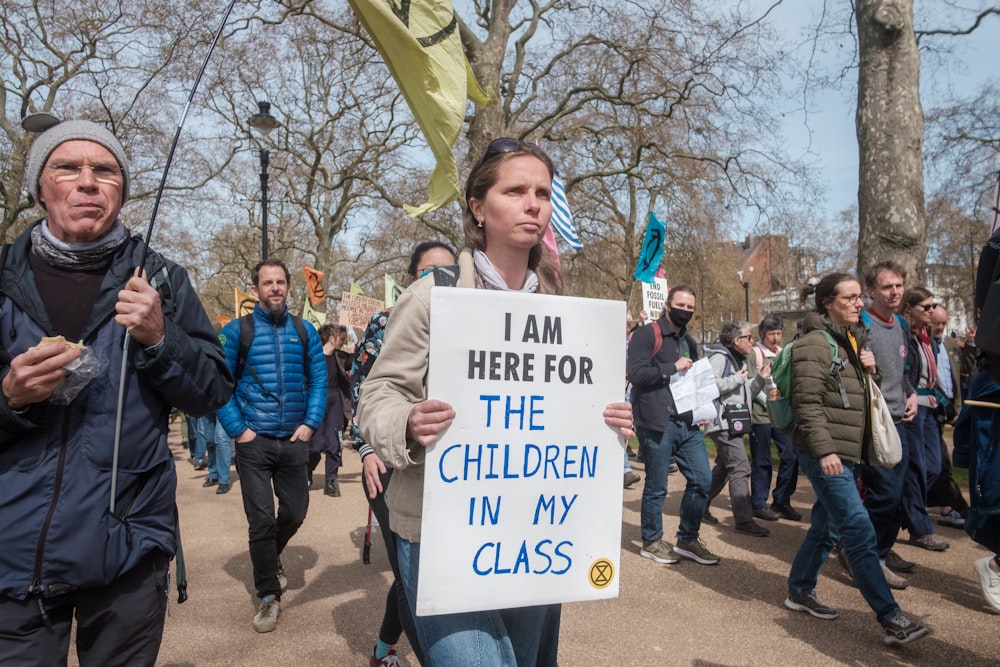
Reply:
x=738, y=417
x=887, y=450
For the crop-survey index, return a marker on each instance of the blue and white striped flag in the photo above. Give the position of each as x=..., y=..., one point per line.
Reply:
x=562, y=219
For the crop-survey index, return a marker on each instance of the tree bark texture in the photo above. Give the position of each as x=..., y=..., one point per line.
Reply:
x=890, y=128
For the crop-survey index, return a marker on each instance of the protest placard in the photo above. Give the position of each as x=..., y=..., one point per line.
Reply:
x=356, y=310
x=523, y=492
x=654, y=297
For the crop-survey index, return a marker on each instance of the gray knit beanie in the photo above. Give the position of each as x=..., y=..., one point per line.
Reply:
x=68, y=130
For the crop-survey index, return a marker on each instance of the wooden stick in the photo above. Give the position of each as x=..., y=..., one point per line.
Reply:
x=981, y=404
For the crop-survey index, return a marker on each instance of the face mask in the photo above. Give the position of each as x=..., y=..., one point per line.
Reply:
x=680, y=318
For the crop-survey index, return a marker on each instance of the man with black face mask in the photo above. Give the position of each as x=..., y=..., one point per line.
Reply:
x=656, y=352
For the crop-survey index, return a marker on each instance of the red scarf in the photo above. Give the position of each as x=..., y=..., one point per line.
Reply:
x=924, y=338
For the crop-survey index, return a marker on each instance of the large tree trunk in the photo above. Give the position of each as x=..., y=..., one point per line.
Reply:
x=890, y=129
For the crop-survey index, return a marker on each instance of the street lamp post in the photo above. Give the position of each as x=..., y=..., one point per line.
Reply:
x=746, y=293
x=264, y=122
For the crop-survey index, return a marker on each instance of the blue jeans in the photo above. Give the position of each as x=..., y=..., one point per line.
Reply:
x=264, y=462
x=839, y=511
x=761, y=468
x=686, y=445
x=196, y=439
x=219, y=453
x=497, y=638
x=922, y=471
x=884, y=497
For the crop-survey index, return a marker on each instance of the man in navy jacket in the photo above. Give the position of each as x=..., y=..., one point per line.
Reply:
x=69, y=547
x=277, y=406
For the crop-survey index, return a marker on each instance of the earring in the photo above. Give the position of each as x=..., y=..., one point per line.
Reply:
x=479, y=223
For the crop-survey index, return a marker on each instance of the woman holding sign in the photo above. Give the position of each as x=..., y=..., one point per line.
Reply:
x=508, y=206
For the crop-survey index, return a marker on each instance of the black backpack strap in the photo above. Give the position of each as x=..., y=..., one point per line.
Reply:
x=246, y=337
x=4, y=355
x=304, y=337
x=160, y=281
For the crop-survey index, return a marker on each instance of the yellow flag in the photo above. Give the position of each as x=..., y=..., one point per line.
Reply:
x=314, y=285
x=244, y=302
x=310, y=315
x=420, y=44
x=392, y=291
x=356, y=289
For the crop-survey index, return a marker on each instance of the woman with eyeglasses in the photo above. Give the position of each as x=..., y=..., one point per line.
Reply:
x=729, y=362
x=508, y=206
x=832, y=435
x=922, y=433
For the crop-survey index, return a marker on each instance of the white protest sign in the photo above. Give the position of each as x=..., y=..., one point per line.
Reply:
x=654, y=297
x=523, y=492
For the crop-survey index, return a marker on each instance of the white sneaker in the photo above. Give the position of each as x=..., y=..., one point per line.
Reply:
x=266, y=618
x=990, y=581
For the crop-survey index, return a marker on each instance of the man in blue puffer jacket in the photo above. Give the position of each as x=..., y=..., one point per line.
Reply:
x=277, y=406
x=68, y=547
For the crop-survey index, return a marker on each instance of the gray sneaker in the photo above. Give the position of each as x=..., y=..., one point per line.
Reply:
x=659, y=551
x=930, y=542
x=282, y=579
x=901, y=630
x=266, y=618
x=811, y=605
x=696, y=551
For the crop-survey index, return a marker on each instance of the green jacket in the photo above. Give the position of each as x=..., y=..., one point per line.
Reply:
x=824, y=424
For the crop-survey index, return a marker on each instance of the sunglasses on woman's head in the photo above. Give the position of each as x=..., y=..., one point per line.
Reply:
x=505, y=145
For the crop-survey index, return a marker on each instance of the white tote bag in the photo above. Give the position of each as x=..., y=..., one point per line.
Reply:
x=887, y=450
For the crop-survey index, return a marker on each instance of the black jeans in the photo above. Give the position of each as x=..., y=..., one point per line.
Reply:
x=270, y=467
x=397, y=617
x=118, y=625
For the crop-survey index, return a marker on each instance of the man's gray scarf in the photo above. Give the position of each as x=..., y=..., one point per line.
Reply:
x=90, y=256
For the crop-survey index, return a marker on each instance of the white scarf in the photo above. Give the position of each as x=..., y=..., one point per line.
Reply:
x=492, y=278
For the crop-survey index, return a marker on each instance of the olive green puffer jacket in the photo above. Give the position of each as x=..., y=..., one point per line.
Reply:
x=824, y=424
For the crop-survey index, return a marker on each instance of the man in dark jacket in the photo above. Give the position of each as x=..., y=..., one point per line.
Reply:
x=656, y=352
x=78, y=539
x=277, y=406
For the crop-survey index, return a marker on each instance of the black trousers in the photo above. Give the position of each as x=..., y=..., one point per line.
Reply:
x=397, y=617
x=120, y=625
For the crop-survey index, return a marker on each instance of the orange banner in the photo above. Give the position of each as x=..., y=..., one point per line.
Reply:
x=314, y=285
x=244, y=302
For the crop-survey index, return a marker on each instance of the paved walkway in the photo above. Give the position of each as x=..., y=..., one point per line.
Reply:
x=686, y=614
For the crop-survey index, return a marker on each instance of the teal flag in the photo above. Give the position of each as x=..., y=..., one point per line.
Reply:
x=652, y=250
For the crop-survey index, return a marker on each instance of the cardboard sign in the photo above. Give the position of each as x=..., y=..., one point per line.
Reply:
x=356, y=310
x=654, y=297
x=523, y=492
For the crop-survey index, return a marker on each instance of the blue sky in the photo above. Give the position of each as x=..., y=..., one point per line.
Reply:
x=828, y=134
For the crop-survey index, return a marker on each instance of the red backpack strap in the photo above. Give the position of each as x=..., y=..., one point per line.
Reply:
x=657, y=337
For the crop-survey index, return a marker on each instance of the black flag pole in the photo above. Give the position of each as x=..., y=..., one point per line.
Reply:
x=995, y=209
x=145, y=249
